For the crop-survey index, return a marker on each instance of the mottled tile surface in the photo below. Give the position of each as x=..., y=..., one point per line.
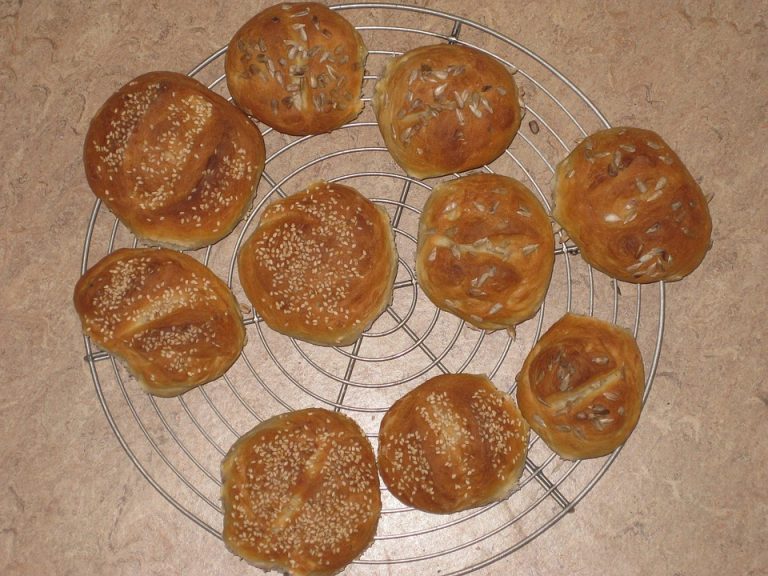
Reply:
x=687, y=495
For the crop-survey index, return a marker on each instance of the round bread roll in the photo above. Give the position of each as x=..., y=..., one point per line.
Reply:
x=485, y=250
x=174, y=161
x=301, y=493
x=581, y=387
x=298, y=68
x=321, y=264
x=453, y=443
x=173, y=322
x=632, y=207
x=446, y=108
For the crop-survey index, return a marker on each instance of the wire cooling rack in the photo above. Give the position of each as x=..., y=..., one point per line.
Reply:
x=177, y=444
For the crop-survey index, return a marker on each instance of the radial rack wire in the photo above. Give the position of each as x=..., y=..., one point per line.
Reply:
x=177, y=444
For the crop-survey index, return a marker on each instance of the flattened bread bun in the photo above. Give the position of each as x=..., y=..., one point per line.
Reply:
x=166, y=315
x=301, y=493
x=631, y=206
x=321, y=264
x=581, y=387
x=446, y=108
x=298, y=68
x=175, y=162
x=453, y=443
x=485, y=250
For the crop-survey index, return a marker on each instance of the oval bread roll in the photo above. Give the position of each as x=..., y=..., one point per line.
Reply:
x=173, y=322
x=581, y=387
x=485, y=250
x=446, y=108
x=321, y=264
x=631, y=206
x=174, y=161
x=301, y=493
x=453, y=443
x=298, y=68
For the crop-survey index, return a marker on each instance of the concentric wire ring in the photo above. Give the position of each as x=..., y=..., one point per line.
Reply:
x=177, y=444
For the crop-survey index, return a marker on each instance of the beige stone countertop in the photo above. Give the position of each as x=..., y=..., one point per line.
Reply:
x=687, y=496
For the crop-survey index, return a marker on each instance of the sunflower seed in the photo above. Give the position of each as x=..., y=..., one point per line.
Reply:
x=653, y=145
x=524, y=212
x=600, y=360
x=486, y=104
x=432, y=255
x=612, y=218
x=456, y=251
x=653, y=229
x=661, y=183
x=539, y=420
x=262, y=45
x=612, y=396
x=564, y=428
x=641, y=186
x=495, y=308
x=665, y=159
x=530, y=249
x=439, y=90
x=627, y=147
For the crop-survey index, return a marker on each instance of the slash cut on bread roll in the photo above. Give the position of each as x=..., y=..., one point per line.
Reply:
x=485, y=250
x=631, y=206
x=581, y=387
x=298, y=68
x=175, y=162
x=173, y=322
x=446, y=108
x=301, y=493
x=320, y=265
x=453, y=443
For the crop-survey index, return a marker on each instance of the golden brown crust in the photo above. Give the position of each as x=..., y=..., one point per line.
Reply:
x=173, y=322
x=453, y=443
x=298, y=68
x=631, y=206
x=446, y=108
x=321, y=264
x=581, y=387
x=301, y=493
x=174, y=161
x=485, y=250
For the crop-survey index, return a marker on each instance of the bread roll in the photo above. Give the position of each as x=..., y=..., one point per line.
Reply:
x=631, y=206
x=167, y=316
x=446, y=108
x=485, y=250
x=581, y=387
x=301, y=494
x=321, y=264
x=175, y=162
x=453, y=443
x=298, y=68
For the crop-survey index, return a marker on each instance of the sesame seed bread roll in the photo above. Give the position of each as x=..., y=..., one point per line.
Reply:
x=446, y=108
x=453, y=443
x=174, y=161
x=631, y=206
x=301, y=493
x=298, y=68
x=485, y=250
x=581, y=387
x=320, y=265
x=171, y=320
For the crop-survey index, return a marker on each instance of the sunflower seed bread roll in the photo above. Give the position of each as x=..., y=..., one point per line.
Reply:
x=320, y=265
x=454, y=442
x=301, y=493
x=298, y=68
x=446, y=108
x=173, y=322
x=485, y=250
x=631, y=206
x=174, y=161
x=581, y=387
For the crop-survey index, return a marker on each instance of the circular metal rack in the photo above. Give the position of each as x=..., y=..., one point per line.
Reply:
x=177, y=444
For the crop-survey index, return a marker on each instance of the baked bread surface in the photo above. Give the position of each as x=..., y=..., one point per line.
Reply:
x=485, y=250
x=446, y=108
x=297, y=67
x=173, y=322
x=301, y=493
x=320, y=265
x=632, y=207
x=174, y=161
x=581, y=387
x=454, y=442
